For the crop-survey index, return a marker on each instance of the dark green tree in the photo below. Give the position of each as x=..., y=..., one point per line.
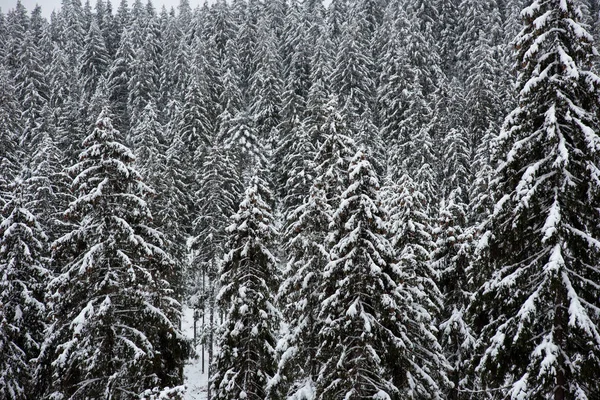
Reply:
x=537, y=309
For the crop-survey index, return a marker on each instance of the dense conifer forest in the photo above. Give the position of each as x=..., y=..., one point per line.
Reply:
x=368, y=199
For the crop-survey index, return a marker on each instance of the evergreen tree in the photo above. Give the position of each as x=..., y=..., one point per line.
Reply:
x=144, y=79
x=119, y=75
x=32, y=92
x=48, y=183
x=416, y=24
x=451, y=260
x=193, y=125
x=334, y=154
x=266, y=87
x=38, y=26
x=94, y=60
x=115, y=325
x=246, y=40
x=17, y=23
x=337, y=16
x=318, y=96
x=456, y=164
x=72, y=32
x=117, y=27
x=147, y=142
x=411, y=236
x=9, y=128
x=305, y=244
x=23, y=269
x=243, y=142
x=175, y=66
x=361, y=340
x=296, y=170
x=537, y=312
x=352, y=79
x=221, y=27
x=249, y=278
x=220, y=192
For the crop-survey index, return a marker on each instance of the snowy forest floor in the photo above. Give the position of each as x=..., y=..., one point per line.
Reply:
x=195, y=381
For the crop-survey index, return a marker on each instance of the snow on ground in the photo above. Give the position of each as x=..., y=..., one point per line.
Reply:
x=195, y=381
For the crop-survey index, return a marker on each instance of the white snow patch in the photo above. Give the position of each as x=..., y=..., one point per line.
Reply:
x=195, y=380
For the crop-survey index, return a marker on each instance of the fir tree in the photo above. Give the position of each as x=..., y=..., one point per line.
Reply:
x=266, y=87
x=451, y=259
x=32, y=91
x=537, y=312
x=305, y=244
x=243, y=142
x=115, y=325
x=318, y=96
x=352, y=80
x=23, y=269
x=48, y=183
x=249, y=279
x=334, y=154
x=9, y=128
x=411, y=236
x=17, y=23
x=296, y=169
x=94, y=60
x=144, y=78
x=119, y=75
x=219, y=191
x=362, y=335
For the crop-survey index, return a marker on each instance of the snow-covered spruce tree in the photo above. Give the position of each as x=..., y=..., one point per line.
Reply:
x=9, y=128
x=451, y=260
x=352, y=79
x=296, y=86
x=17, y=22
x=49, y=184
x=538, y=311
x=114, y=330
x=32, y=92
x=316, y=112
x=455, y=169
x=362, y=338
x=119, y=75
x=249, y=279
x=219, y=192
x=148, y=142
x=175, y=66
x=23, y=274
x=193, y=126
x=94, y=60
x=334, y=154
x=266, y=88
x=143, y=76
x=410, y=232
x=305, y=244
x=297, y=167
x=246, y=39
x=242, y=142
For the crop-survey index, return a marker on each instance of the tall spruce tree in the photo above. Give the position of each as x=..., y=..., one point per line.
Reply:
x=451, y=260
x=9, y=129
x=362, y=337
x=32, y=92
x=114, y=330
x=411, y=236
x=538, y=311
x=305, y=244
x=23, y=275
x=249, y=278
x=94, y=60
